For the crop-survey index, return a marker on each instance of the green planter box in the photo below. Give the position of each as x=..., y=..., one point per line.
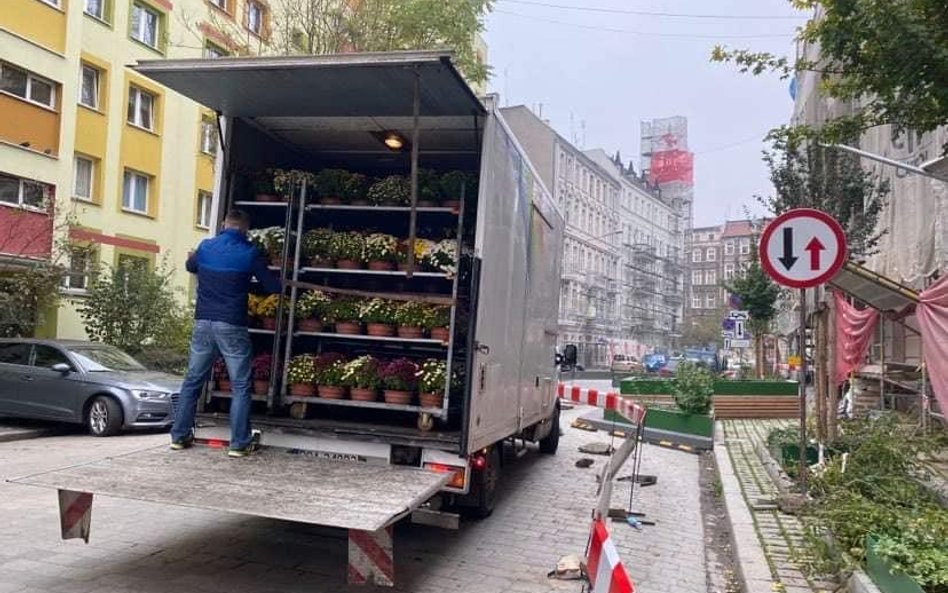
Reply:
x=881, y=573
x=671, y=421
x=751, y=387
x=645, y=387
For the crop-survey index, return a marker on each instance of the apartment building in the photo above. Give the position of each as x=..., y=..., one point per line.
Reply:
x=718, y=253
x=104, y=159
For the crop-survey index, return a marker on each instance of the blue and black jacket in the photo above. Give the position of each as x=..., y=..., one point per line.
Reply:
x=224, y=266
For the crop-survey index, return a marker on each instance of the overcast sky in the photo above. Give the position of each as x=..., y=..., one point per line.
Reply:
x=578, y=68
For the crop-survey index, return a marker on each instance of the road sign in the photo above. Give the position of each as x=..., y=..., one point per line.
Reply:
x=793, y=361
x=742, y=315
x=802, y=248
x=727, y=334
x=740, y=343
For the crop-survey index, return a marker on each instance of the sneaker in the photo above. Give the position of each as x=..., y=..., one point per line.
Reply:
x=243, y=452
x=181, y=444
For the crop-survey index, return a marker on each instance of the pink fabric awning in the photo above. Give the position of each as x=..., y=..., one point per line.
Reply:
x=854, y=331
x=932, y=315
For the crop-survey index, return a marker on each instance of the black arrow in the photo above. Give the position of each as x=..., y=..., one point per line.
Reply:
x=788, y=260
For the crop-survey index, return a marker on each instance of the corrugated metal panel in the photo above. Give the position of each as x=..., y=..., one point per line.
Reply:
x=875, y=290
x=343, y=85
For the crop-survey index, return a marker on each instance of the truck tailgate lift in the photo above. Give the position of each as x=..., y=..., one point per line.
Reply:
x=364, y=499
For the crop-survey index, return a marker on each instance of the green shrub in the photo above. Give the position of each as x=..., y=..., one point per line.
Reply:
x=693, y=388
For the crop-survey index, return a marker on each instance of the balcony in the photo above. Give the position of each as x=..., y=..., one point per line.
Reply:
x=643, y=252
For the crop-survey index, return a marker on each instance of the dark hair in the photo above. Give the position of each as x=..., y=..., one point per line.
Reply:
x=237, y=217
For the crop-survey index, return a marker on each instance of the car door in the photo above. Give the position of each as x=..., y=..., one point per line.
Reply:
x=14, y=370
x=57, y=395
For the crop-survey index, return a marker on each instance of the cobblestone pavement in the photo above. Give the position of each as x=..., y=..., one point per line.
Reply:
x=780, y=534
x=543, y=513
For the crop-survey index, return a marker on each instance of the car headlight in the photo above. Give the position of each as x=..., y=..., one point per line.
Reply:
x=146, y=394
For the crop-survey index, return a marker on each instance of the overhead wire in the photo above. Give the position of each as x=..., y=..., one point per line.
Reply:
x=641, y=33
x=654, y=13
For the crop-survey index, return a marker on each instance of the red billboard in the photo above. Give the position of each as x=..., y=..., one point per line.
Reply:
x=672, y=165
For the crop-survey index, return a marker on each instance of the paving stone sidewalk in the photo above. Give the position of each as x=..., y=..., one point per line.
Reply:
x=780, y=534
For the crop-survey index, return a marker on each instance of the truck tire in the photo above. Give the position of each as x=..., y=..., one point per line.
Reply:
x=551, y=442
x=485, y=485
x=104, y=417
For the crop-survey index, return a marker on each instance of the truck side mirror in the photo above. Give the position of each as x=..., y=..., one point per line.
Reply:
x=570, y=355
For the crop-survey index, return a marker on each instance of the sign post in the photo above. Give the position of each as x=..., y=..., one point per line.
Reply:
x=800, y=249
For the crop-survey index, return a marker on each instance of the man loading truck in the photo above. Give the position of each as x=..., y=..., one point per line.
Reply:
x=224, y=266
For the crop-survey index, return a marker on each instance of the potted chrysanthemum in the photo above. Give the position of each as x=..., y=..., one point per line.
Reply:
x=451, y=188
x=345, y=313
x=399, y=380
x=330, y=368
x=410, y=316
x=311, y=307
x=438, y=321
x=379, y=317
x=348, y=250
x=381, y=251
x=330, y=185
x=219, y=372
x=266, y=310
x=317, y=247
x=355, y=190
x=301, y=375
x=361, y=376
x=260, y=371
x=432, y=375
x=394, y=190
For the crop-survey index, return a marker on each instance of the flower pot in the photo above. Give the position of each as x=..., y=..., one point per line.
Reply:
x=363, y=395
x=394, y=396
x=302, y=389
x=409, y=331
x=330, y=201
x=348, y=264
x=361, y=202
x=331, y=392
x=380, y=330
x=311, y=325
x=267, y=198
x=224, y=385
x=348, y=328
x=268, y=323
x=260, y=386
x=380, y=266
x=320, y=262
x=403, y=266
x=431, y=400
x=453, y=204
x=425, y=204
x=440, y=333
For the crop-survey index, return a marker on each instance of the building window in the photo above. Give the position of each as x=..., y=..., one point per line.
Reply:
x=695, y=301
x=255, y=16
x=711, y=277
x=82, y=185
x=710, y=302
x=222, y=4
x=141, y=108
x=696, y=255
x=208, y=136
x=711, y=254
x=729, y=248
x=745, y=247
x=212, y=51
x=95, y=8
x=55, y=3
x=27, y=85
x=24, y=192
x=145, y=24
x=135, y=192
x=80, y=267
x=728, y=271
x=204, y=210
x=89, y=87
x=696, y=277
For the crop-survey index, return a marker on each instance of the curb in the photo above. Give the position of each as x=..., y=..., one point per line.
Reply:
x=752, y=566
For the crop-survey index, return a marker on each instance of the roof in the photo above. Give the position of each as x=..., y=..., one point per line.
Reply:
x=738, y=228
x=340, y=85
x=877, y=291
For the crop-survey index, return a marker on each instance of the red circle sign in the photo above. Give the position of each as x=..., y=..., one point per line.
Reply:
x=802, y=248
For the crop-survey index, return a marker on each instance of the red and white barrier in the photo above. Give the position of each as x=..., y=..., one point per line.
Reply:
x=371, y=561
x=609, y=400
x=75, y=514
x=605, y=569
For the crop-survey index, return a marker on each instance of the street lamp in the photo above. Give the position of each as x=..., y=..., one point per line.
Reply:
x=931, y=169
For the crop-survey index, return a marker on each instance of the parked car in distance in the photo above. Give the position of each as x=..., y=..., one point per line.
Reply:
x=624, y=364
x=83, y=383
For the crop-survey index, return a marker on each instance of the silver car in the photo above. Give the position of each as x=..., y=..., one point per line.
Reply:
x=83, y=382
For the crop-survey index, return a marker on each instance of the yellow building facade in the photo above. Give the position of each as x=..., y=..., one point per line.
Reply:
x=130, y=163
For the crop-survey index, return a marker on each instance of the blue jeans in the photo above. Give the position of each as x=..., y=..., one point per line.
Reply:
x=233, y=343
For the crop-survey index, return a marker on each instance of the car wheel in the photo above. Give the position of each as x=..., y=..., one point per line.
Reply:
x=104, y=417
x=551, y=442
x=485, y=485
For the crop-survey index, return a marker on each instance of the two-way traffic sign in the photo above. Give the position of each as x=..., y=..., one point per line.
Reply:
x=802, y=248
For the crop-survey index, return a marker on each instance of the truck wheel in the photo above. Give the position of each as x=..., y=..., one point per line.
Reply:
x=551, y=442
x=104, y=417
x=485, y=485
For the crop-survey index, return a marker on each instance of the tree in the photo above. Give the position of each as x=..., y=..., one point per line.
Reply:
x=133, y=307
x=805, y=174
x=703, y=331
x=890, y=57
x=759, y=296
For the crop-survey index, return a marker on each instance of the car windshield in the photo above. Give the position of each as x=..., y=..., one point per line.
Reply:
x=105, y=358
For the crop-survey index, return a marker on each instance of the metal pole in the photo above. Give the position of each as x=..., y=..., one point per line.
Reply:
x=887, y=161
x=803, y=370
x=413, y=219
x=882, y=360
